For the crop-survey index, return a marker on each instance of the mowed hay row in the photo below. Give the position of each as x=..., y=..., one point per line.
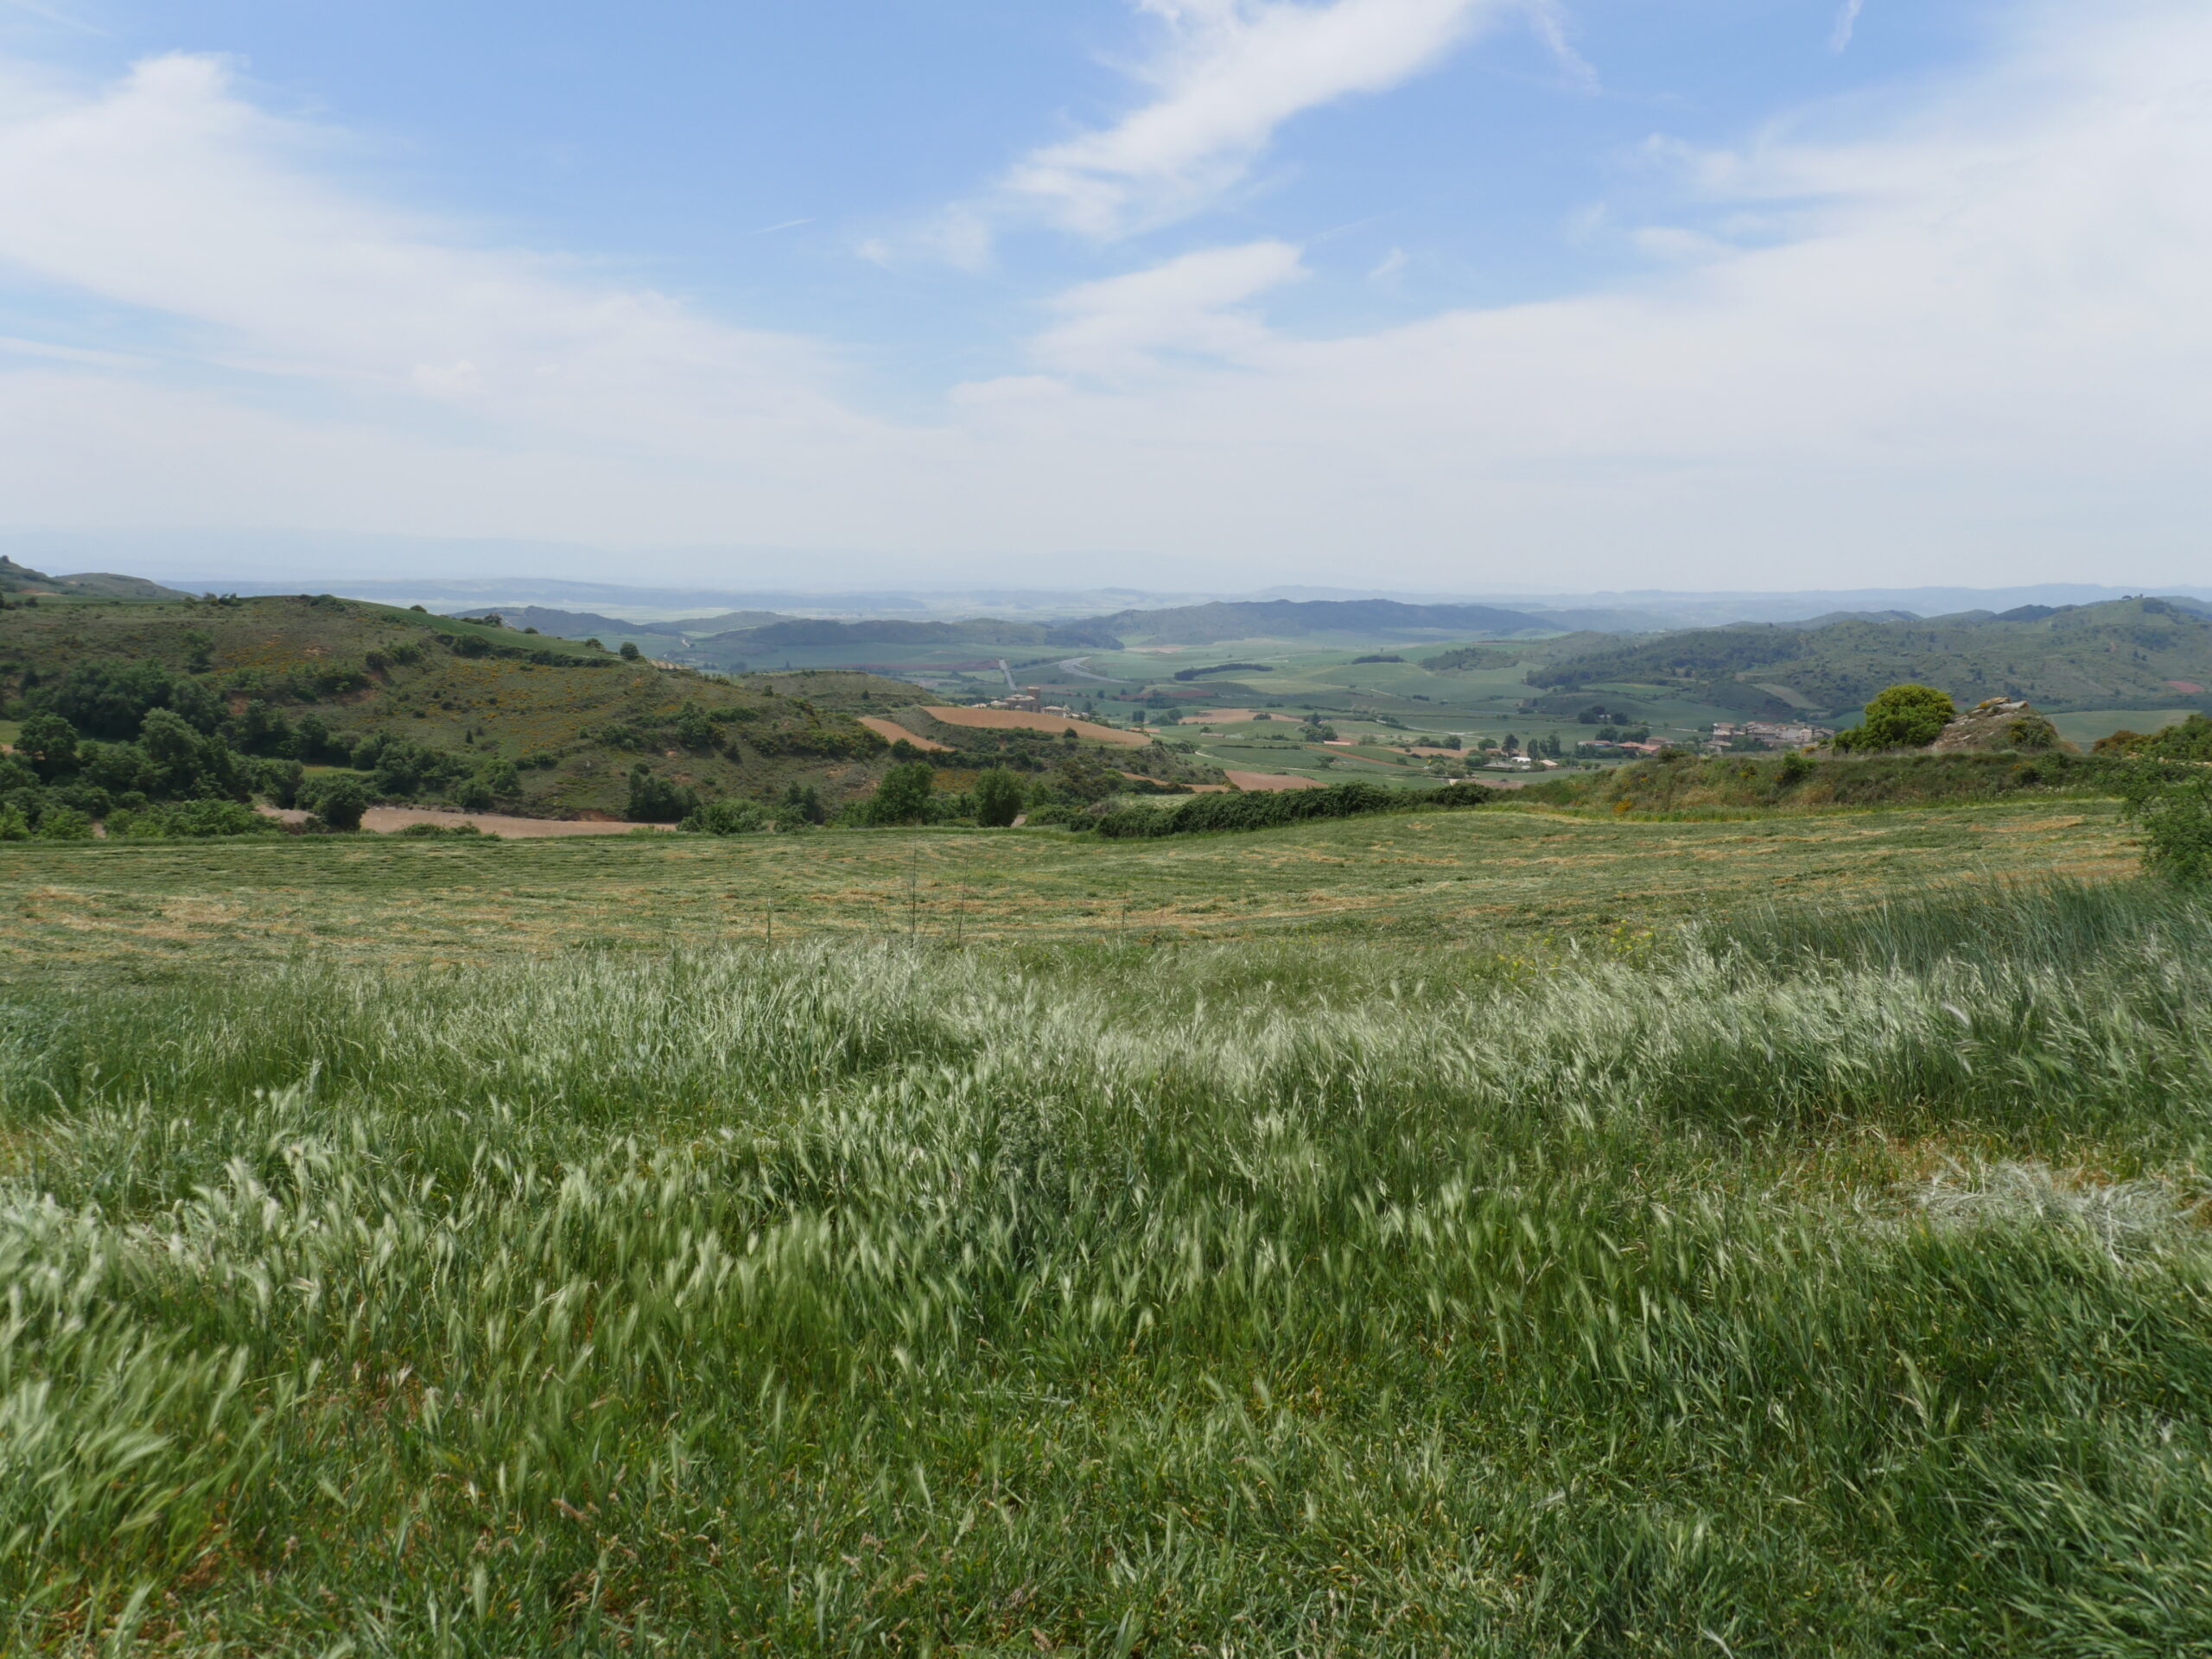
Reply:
x=1830, y=1284
x=1020, y=720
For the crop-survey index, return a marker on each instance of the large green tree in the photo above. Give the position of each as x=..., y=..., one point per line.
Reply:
x=1905, y=716
x=904, y=795
x=998, y=798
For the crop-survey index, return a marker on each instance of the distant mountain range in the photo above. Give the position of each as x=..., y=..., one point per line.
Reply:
x=1290, y=619
x=2133, y=653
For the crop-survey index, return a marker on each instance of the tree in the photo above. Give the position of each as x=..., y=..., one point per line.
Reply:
x=630, y=652
x=1906, y=716
x=49, y=743
x=338, y=802
x=998, y=798
x=904, y=795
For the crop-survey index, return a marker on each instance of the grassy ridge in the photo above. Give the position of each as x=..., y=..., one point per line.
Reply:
x=574, y=718
x=1818, y=1284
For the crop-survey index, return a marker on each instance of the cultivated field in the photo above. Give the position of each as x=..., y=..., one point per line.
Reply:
x=1017, y=719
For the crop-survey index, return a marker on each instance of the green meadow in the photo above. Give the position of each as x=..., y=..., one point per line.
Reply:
x=1501, y=1232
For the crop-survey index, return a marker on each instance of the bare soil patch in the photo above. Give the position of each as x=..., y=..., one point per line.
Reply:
x=892, y=732
x=1264, y=780
x=385, y=819
x=1020, y=720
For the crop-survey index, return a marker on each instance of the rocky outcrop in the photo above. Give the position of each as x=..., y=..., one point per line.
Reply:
x=1998, y=723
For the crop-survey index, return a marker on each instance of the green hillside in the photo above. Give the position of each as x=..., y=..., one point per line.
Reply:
x=19, y=579
x=2132, y=653
x=315, y=678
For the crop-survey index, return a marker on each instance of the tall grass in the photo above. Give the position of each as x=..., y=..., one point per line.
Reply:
x=1821, y=1285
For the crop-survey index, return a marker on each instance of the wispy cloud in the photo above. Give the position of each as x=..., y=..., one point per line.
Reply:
x=1846, y=23
x=1184, y=309
x=1228, y=74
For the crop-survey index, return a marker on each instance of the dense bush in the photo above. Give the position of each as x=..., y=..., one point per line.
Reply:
x=2174, y=808
x=728, y=818
x=1685, y=782
x=1264, y=811
x=338, y=802
x=191, y=821
x=2190, y=741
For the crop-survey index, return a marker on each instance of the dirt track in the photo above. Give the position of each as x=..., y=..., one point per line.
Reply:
x=385, y=819
x=892, y=732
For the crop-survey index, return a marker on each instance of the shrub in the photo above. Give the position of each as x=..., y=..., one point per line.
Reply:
x=998, y=798
x=14, y=826
x=630, y=652
x=428, y=831
x=726, y=818
x=64, y=823
x=2176, y=814
x=1906, y=716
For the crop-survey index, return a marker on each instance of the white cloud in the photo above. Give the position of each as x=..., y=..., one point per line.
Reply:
x=1130, y=325
x=1973, y=344
x=1229, y=73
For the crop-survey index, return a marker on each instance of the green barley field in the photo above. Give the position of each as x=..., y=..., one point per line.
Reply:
x=1521, y=1235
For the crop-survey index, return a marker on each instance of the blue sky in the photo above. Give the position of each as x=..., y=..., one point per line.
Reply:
x=1461, y=293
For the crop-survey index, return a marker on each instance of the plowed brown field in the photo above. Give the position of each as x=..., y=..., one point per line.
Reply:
x=1020, y=720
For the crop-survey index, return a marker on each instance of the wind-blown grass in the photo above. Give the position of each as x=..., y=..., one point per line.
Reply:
x=1812, y=1285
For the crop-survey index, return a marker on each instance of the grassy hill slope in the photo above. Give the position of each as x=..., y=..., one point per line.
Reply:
x=573, y=721
x=2121, y=654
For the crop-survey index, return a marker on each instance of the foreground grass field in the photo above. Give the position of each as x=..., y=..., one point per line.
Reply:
x=1822, y=1282
x=157, y=908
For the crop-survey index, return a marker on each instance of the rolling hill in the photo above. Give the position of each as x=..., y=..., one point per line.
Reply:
x=98, y=584
x=2132, y=653
x=570, y=722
